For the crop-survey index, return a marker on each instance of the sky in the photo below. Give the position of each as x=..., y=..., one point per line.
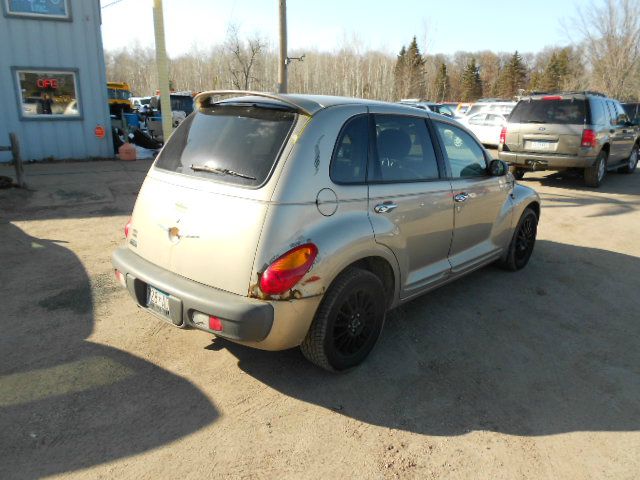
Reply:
x=442, y=26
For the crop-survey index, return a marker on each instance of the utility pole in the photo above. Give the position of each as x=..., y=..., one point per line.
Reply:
x=282, y=64
x=163, y=70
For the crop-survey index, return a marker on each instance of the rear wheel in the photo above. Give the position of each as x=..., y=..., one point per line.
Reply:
x=522, y=243
x=630, y=167
x=594, y=175
x=348, y=321
x=519, y=173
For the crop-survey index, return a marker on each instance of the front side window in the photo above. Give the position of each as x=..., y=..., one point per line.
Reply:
x=466, y=158
x=404, y=150
x=53, y=9
x=350, y=155
x=46, y=94
x=229, y=143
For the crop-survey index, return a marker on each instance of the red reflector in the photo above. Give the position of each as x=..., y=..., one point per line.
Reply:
x=127, y=228
x=552, y=97
x=287, y=270
x=120, y=278
x=503, y=136
x=215, y=324
x=589, y=138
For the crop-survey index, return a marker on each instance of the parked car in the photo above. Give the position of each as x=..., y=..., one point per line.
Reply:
x=431, y=106
x=486, y=126
x=138, y=102
x=284, y=220
x=501, y=107
x=570, y=130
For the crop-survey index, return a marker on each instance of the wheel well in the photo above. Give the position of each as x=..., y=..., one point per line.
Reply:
x=535, y=206
x=381, y=269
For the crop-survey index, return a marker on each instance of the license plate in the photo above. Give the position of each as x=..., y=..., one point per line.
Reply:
x=539, y=145
x=158, y=301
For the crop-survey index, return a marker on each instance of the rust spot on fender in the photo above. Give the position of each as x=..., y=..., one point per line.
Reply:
x=315, y=278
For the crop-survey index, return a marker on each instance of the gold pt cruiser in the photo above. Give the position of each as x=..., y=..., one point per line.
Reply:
x=278, y=221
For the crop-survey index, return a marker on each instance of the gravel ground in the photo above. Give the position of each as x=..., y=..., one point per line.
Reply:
x=534, y=374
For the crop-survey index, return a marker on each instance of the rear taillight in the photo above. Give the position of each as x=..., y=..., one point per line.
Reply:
x=588, y=138
x=503, y=136
x=127, y=229
x=287, y=270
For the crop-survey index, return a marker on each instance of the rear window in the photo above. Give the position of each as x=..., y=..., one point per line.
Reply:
x=567, y=112
x=237, y=144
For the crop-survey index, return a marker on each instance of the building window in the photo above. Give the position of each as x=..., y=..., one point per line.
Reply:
x=45, y=9
x=48, y=94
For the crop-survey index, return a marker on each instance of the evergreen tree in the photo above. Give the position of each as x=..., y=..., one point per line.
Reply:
x=557, y=71
x=441, y=84
x=471, y=85
x=414, y=72
x=399, y=74
x=514, y=76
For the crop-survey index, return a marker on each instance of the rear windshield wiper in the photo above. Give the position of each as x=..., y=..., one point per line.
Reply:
x=220, y=171
x=535, y=121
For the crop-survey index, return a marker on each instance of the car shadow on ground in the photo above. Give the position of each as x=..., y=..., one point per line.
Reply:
x=614, y=183
x=547, y=350
x=67, y=403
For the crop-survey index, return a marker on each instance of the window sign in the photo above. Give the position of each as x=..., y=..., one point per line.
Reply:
x=55, y=9
x=48, y=94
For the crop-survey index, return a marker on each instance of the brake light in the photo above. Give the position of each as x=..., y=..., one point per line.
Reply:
x=127, y=228
x=287, y=270
x=552, y=97
x=503, y=136
x=589, y=138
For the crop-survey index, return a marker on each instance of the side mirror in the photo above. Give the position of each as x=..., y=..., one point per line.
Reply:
x=498, y=168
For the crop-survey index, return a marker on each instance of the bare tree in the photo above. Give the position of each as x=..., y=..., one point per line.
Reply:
x=611, y=35
x=244, y=56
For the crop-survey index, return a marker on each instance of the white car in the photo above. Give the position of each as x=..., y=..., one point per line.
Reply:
x=486, y=126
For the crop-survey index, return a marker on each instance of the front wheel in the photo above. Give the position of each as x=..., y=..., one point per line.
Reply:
x=594, y=175
x=522, y=243
x=632, y=162
x=348, y=321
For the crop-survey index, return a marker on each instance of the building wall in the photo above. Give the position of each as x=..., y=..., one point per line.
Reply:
x=75, y=44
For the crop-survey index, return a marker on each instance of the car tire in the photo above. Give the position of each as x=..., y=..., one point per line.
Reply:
x=594, y=175
x=348, y=321
x=522, y=242
x=630, y=167
x=518, y=173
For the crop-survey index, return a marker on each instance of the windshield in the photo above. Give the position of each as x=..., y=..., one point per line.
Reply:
x=566, y=112
x=117, y=94
x=236, y=144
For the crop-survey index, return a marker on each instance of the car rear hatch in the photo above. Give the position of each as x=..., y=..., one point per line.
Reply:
x=200, y=211
x=550, y=124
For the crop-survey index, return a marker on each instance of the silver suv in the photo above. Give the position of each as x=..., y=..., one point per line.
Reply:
x=570, y=130
x=284, y=220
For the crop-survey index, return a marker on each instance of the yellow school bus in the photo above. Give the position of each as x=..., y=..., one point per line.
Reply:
x=119, y=94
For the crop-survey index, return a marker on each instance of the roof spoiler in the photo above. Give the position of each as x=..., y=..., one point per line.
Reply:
x=199, y=99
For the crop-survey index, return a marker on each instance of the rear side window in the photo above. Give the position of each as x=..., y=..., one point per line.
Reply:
x=404, y=150
x=565, y=112
x=598, y=114
x=350, y=155
x=237, y=144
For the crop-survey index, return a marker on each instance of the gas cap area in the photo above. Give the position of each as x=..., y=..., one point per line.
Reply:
x=327, y=202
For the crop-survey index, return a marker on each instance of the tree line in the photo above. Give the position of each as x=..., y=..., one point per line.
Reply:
x=605, y=57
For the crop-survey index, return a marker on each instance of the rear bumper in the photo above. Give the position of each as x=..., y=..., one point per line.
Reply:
x=243, y=318
x=546, y=161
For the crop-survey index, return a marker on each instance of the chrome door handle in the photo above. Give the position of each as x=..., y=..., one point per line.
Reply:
x=385, y=207
x=461, y=197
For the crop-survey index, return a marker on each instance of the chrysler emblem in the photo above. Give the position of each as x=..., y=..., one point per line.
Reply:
x=542, y=129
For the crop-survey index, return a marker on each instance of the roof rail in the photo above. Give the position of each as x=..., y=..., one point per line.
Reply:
x=199, y=99
x=572, y=92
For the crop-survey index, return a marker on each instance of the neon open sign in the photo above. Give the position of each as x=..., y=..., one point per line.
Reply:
x=51, y=83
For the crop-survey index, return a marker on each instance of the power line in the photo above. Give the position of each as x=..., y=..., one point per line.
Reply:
x=112, y=3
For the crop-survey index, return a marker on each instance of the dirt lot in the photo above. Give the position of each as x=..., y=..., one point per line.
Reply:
x=501, y=375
